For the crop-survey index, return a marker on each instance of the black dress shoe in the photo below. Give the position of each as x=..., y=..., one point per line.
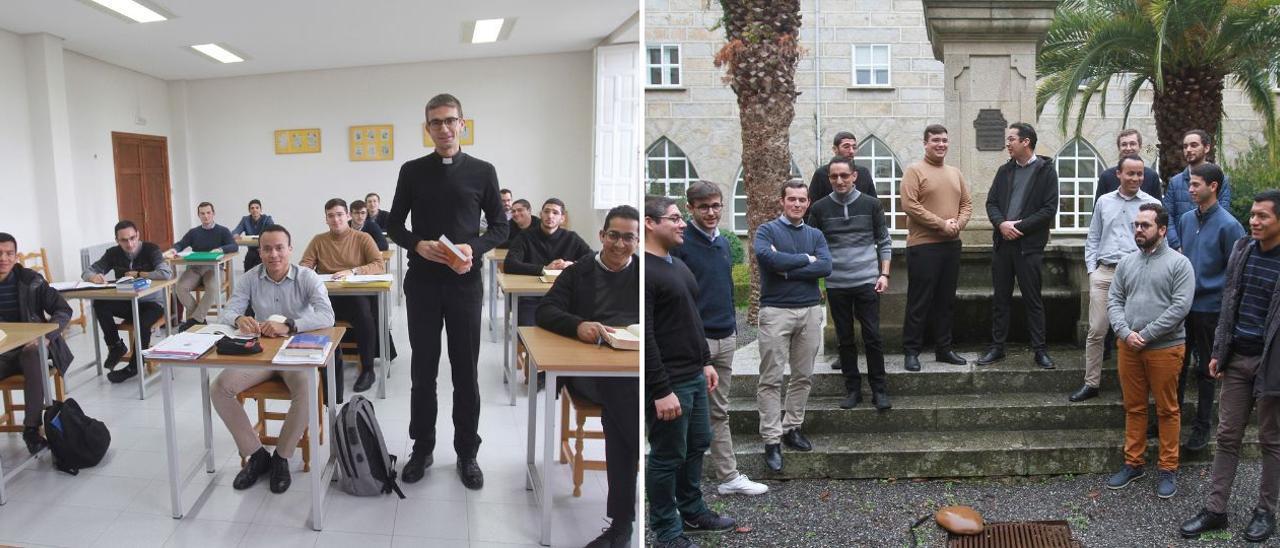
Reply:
x=35, y=442
x=993, y=355
x=364, y=380
x=1085, y=392
x=416, y=467
x=1204, y=522
x=796, y=440
x=259, y=463
x=114, y=353
x=1261, y=526
x=950, y=356
x=835, y=364
x=851, y=400
x=881, y=401
x=773, y=456
x=280, y=479
x=123, y=374
x=182, y=327
x=911, y=362
x=1199, y=439
x=1043, y=360
x=617, y=535
x=469, y=471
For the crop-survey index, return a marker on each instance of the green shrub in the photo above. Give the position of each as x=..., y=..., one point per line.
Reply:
x=741, y=285
x=737, y=252
x=1251, y=173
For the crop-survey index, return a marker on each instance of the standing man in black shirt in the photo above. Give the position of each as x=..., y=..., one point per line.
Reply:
x=445, y=192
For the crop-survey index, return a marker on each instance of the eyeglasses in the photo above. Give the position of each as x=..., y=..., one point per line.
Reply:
x=1142, y=226
x=625, y=237
x=835, y=176
x=675, y=219
x=438, y=123
x=709, y=207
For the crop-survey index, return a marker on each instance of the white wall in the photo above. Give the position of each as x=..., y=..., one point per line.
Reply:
x=533, y=122
x=16, y=174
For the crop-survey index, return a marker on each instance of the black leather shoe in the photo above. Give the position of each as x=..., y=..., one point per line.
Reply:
x=123, y=374
x=796, y=440
x=35, y=442
x=259, y=463
x=1204, y=522
x=851, y=400
x=280, y=479
x=365, y=380
x=881, y=401
x=114, y=353
x=416, y=467
x=1260, y=527
x=911, y=362
x=1199, y=439
x=993, y=355
x=835, y=364
x=773, y=456
x=950, y=356
x=469, y=471
x=617, y=535
x=1043, y=359
x=184, y=326
x=1085, y=392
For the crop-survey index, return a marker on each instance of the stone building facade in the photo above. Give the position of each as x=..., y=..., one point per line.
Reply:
x=868, y=68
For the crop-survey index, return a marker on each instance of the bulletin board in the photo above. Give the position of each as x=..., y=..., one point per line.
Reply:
x=297, y=141
x=372, y=143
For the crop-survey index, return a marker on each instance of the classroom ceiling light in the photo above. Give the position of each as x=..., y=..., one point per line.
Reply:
x=132, y=10
x=487, y=30
x=218, y=53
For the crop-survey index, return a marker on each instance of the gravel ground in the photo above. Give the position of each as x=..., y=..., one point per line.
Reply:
x=876, y=513
x=746, y=331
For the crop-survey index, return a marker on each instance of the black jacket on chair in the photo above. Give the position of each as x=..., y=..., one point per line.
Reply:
x=1039, y=207
x=40, y=303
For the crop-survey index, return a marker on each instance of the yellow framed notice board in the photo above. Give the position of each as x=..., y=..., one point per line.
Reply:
x=372, y=143
x=297, y=141
x=468, y=136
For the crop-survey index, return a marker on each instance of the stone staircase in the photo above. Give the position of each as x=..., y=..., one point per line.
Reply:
x=1009, y=418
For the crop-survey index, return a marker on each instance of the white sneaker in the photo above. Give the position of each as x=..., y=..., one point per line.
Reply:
x=742, y=485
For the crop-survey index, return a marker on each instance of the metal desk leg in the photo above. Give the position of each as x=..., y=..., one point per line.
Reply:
x=208, y=420
x=217, y=286
x=97, y=348
x=506, y=343
x=548, y=450
x=171, y=442
x=317, y=467
x=137, y=349
x=532, y=431
x=168, y=325
x=511, y=348
x=384, y=344
x=493, y=299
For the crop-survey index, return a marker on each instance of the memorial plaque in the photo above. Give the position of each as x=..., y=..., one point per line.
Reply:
x=989, y=126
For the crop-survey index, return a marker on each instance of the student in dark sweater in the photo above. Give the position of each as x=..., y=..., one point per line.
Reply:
x=678, y=376
x=443, y=194
x=378, y=215
x=135, y=258
x=252, y=225
x=360, y=221
x=521, y=220
x=845, y=145
x=1128, y=142
x=599, y=293
x=209, y=236
x=546, y=246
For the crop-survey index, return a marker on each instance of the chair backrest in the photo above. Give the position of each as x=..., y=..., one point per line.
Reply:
x=37, y=261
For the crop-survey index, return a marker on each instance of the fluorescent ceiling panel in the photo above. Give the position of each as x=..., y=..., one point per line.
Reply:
x=218, y=53
x=131, y=9
x=487, y=30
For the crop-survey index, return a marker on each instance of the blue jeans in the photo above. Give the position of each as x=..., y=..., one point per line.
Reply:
x=673, y=472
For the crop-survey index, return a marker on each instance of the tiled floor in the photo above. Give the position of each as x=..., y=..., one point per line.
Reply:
x=124, y=501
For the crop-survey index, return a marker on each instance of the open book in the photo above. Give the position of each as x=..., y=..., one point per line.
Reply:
x=77, y=285
x=549, y=276
x=224, y=330
x=359, y=279
x=627, y=338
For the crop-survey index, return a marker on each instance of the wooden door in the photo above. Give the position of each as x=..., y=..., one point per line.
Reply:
x=142, y=185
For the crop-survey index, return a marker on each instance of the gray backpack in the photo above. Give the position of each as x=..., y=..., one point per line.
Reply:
x=365, y=469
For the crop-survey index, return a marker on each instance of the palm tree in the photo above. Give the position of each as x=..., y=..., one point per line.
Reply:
x=763, y=46
x=1187, y=50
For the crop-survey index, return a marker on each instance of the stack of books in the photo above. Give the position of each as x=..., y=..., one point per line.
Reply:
x=182, y=346
x=131, y=284
x=304, y=348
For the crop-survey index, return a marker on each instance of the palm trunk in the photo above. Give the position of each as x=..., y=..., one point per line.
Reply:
x=1192, y=99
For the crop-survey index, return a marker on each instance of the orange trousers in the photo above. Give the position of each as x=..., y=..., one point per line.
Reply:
x=1153, y=372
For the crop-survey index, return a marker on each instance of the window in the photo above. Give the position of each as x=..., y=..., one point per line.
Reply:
x=871, y=65
x=664, y=66
x=667, y=171
x=876, y=156
x=740, y=199
x=1078, y=167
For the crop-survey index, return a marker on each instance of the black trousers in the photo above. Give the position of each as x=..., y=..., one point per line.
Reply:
x=933, y=271
x=252, y=258
x=455, y=307
x=108, y=311
x=1200, y=328
x=863, y=303
x=619, y=400
x=528, y=310
x=359, y=311
x=1010, y=263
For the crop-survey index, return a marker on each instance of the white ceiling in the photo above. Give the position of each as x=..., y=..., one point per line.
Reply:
x=292, y=35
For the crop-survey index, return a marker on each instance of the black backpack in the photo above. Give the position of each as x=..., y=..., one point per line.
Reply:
x=76, y=440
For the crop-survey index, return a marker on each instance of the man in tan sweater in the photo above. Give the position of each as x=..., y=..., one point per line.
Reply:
x=342, y=252
x=935, y=198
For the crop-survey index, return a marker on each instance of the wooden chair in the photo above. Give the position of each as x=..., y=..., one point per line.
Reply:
x=572, y=454
x=276, y=389
x=127, y=328
x=349, y=350
x=39, y=262
x=388, y=256
x=8, y=419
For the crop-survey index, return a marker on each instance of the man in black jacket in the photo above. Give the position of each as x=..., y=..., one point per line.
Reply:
x=597, y=294
x=1022, y=205
x=845, y=145
x=1130, y=143
x=25, y=297
x=135, y=258
x=445, y=192
x=545, y=247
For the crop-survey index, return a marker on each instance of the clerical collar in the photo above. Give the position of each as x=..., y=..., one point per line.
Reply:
x=446, y=160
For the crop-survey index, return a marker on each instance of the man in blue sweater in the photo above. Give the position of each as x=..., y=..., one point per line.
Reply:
x=209, y=236
x=706, y=252
x=1197, y=148
x=1208, y=233
x=792, y=257
x=252, y=225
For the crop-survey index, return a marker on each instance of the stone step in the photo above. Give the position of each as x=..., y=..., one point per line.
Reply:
x=962, y=453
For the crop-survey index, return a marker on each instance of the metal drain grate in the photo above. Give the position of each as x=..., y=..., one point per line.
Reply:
x=1027, y=534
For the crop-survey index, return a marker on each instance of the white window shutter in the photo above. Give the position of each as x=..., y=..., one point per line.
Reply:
x=616, y=136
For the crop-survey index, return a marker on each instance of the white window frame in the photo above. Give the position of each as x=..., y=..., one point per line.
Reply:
x=872, y=152
x=887, y=66
x=740, y=193
x=666, y=157
x=1083, y=152
x=664, y=66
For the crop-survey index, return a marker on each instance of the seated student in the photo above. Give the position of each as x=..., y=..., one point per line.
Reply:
x=26, y=297
x=546, y=246
x=273, y=288
x=252, y=225
x=604, y=290
x=521, y=219
x=130, y=257
x=206, y=237
x=343, y=252
x=360, y=221
x=380, y=216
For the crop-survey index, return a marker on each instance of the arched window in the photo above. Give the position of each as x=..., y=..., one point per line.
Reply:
x=876, y=156
x=1078, y=166
x=740, y=198
x=668, y=171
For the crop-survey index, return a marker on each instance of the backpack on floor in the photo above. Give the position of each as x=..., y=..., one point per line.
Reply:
x=365, y=468
x=76, y=440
